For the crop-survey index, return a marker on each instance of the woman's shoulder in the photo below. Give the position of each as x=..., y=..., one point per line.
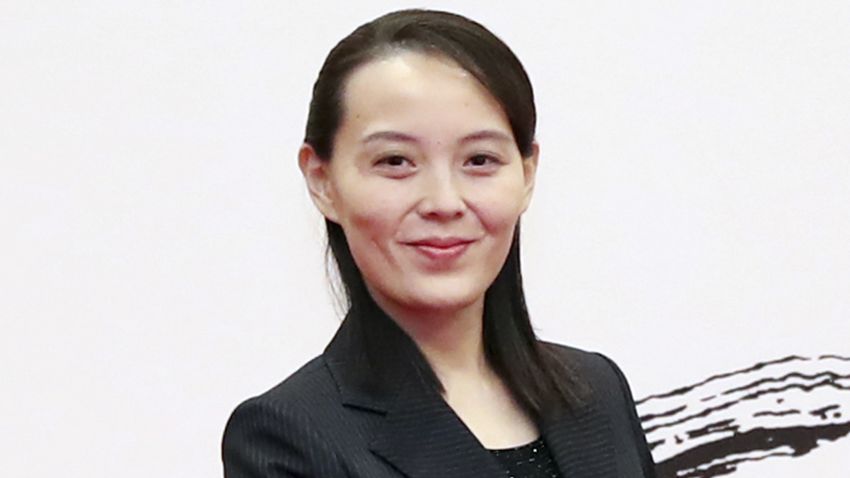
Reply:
x=291, y=415
x=587, y=360
x=302, y=389
x=599, y=371
x=611, y=395
x=295, y=405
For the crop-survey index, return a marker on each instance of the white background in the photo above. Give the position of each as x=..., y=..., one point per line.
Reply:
x=160, y=260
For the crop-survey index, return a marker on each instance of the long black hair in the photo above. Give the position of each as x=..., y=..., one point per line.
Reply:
x=535, y=377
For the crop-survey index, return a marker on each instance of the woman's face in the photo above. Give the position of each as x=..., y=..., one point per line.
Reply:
x=426, y=181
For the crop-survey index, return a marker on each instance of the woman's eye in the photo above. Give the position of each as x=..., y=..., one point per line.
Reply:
x=480, y=160
x=394, y=160
x=395, y=166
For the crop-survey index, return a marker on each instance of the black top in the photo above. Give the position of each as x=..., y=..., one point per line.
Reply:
x=531, y=460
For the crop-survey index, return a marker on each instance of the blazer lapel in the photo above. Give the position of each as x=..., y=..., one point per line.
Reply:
x=422, y=437
x=419, y=434
x=581, y=443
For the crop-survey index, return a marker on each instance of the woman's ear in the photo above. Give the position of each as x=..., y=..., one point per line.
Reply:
x=317, y=176
x=529, y=169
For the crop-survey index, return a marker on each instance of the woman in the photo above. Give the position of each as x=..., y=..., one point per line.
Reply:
x=420, y=153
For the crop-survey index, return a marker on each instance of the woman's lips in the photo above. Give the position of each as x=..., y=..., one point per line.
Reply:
x=441, y=251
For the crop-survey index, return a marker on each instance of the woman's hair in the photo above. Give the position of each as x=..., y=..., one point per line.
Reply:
x=535, y=377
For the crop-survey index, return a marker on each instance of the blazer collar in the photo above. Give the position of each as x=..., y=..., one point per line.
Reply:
x=423, y=437
x=420, y=435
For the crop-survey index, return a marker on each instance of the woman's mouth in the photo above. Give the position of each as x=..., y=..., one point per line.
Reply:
x=441, y=251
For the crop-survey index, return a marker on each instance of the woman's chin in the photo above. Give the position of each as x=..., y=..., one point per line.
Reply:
x=446, y=303
x=430, y=297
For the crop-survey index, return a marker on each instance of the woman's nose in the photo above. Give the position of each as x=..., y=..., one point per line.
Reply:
x=441, y=198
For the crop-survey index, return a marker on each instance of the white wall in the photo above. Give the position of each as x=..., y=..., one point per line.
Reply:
x=161, y=260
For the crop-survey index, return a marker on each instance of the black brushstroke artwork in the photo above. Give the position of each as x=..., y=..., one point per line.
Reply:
x=779, y=408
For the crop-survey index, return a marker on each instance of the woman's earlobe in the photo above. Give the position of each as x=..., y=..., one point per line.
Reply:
x=317, y=176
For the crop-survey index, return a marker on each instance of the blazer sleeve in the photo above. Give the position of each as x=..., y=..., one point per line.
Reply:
x=269, y=439
x=647, y=463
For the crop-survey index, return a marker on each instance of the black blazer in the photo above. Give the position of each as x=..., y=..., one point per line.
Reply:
x=321, y=423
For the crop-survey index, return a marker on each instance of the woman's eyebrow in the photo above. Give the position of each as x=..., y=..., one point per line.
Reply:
x=485, y=134
x=390, y=136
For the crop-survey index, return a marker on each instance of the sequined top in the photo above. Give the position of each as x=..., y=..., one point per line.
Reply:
x=531, y=460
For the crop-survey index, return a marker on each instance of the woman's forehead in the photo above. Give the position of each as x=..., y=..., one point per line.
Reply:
x=410, y=90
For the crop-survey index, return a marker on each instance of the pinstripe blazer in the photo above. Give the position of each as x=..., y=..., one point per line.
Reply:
x=322, y=423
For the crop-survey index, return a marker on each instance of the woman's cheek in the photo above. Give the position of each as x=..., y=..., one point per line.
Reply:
x=365, y=202
x=374, y=220
x=499, y=211
x=369, y=237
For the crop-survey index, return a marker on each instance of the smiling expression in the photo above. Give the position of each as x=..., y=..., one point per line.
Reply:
x=426, y=181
